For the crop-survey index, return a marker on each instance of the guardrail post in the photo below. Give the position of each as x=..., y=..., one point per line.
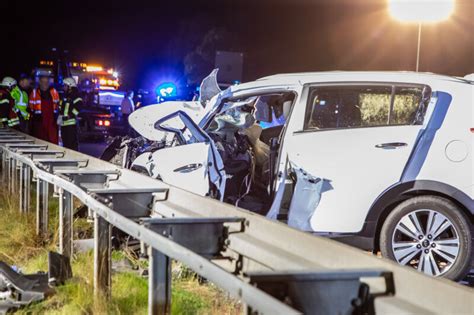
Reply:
x=3, y=156
x=102, y=257
x=42, y=207
x=65, y=223
x=159, y=283
x=14, y=176
x=21, y=187
x=5, y=167
x=26, y=188
x=9, y=174
x=143, y=251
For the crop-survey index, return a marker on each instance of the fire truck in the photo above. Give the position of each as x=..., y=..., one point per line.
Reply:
x=100, y=90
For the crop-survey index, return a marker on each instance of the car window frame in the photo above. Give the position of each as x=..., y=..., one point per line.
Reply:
x=231, y=95
x=426, y=96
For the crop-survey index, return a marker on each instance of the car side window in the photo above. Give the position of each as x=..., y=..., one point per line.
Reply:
x=406, y=104
x=353, y=106
x=348, y=107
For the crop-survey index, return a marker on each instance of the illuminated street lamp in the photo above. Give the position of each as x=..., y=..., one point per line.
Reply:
x=420, y=11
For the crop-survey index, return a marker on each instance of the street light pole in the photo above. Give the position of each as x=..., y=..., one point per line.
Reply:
x=427, y=11
x=418, y=48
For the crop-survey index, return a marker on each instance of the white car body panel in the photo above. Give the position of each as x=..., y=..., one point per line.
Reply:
x=143, y=161
x=450, y=157
x=354, y=171
x=192, y=159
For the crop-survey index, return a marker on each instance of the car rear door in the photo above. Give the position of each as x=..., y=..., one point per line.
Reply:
x=357, y=138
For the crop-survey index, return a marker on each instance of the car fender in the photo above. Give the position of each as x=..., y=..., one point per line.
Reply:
x=144, y=163
x=402, y=191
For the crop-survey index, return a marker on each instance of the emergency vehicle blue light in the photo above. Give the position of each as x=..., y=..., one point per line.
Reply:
x=167, y=90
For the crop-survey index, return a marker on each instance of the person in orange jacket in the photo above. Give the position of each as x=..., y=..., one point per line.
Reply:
x=44, y=105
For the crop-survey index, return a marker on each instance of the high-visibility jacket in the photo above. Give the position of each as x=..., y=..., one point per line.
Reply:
x=7, y=115
x=21, y=102
x=69, y=107
x=35, y=100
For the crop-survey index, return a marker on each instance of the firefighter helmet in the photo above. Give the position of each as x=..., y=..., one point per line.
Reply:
x=8, y=82
x=70, y=82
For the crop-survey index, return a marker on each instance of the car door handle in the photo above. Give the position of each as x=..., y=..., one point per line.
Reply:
x=188, y=168
x=391, y=145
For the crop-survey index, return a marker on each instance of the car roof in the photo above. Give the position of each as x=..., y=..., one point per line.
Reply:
x=295, y=81
x=387, y=76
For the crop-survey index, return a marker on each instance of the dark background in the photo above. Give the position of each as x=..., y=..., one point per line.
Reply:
x=150, y=40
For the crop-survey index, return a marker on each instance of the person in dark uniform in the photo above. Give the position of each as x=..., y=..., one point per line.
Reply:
x=68, y=111
x=20, y=95
x=8, y=115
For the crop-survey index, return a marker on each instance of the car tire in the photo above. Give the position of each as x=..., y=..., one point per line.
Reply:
x=447, y=254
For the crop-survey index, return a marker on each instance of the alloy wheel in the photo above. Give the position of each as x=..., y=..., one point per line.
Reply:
x=427, y=241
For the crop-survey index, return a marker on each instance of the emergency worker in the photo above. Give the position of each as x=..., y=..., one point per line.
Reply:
x=127, y=107
x=8, y=116
x=20, y=95
x=44, y=104
x=68, y=111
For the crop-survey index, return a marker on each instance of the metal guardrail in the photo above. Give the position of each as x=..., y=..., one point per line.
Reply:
x=272, y=268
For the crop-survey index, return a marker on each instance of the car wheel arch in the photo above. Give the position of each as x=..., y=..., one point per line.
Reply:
x=400, y=192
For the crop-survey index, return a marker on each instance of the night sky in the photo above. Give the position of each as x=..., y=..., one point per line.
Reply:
x=149, y=39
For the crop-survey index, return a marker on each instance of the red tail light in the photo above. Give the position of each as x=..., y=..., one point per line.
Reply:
x=102, y=123
x=472, y=130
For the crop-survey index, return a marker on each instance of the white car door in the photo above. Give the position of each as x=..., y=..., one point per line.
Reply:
x=358, y=139
x=184, y=166
x=193, y=163
x=143, y=119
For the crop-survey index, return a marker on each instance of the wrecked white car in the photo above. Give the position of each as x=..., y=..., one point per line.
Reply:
x=367, y=158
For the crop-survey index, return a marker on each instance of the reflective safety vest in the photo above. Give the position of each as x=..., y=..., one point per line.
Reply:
x=12, y=122
x=69, y=108
x=35, y=100
x=21, y=102
x=7, y=115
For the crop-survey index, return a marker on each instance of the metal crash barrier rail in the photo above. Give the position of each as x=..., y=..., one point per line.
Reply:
x=271, y=267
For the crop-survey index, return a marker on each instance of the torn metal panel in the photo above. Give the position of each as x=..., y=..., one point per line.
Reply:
x=17, y=289
x=305, y=200
x=209, y=87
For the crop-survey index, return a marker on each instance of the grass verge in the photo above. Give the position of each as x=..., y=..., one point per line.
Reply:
x=20, y=246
